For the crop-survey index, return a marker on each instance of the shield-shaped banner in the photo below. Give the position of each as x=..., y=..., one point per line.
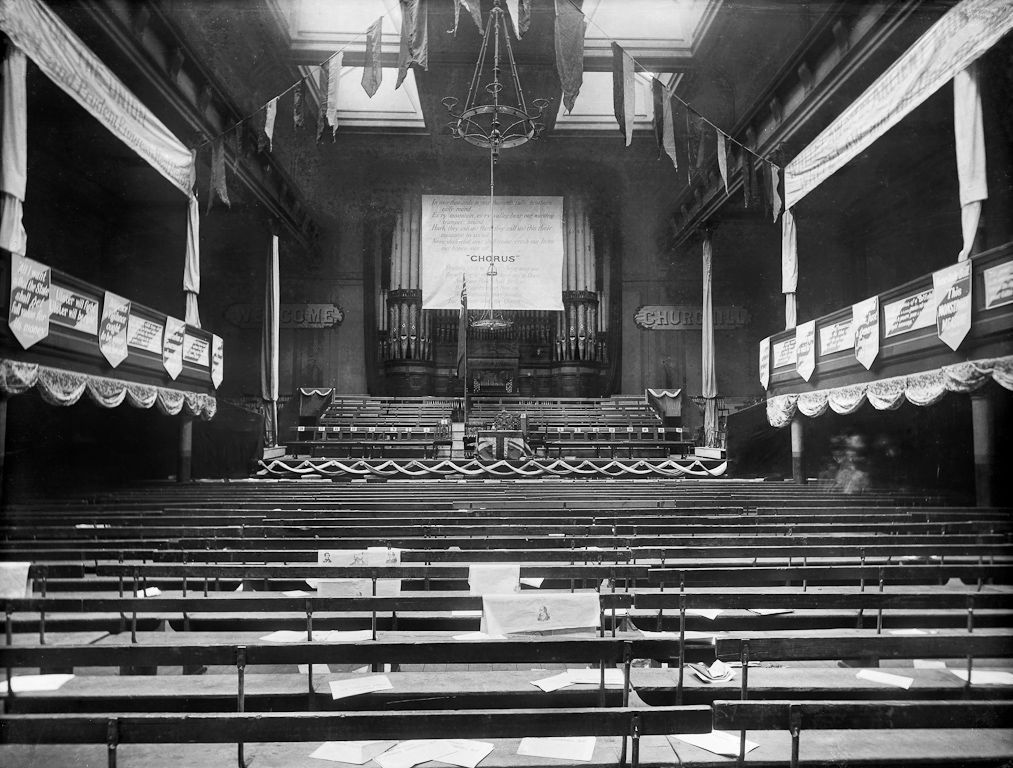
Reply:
x=765, y=362
x=951, y=288
x=112, y=329
x=172, y=346
x=217, y=360
x=805, y=349
x=865, y=321
x=29, y=311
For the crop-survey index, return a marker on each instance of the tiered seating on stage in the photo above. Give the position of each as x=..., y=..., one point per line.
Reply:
x=599, y=427
x=377, y=427
x=830, y=613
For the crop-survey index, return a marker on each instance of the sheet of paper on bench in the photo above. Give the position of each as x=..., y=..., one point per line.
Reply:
x=467, y=753
x=494, y=578
x=554, y=683
x=886, y=678
x=613, y=677
x=718, y=742
x=985, y=676
x=14, y=580
x=531, y=581
x=539, y=611
x=33, y=683
x=320, y=636
x=149, y=592
x=928, y=663
x=572, y=748
x=409, y=753
x=352, y=752
x=341, y=689
x=296, y=593
x=358, y=587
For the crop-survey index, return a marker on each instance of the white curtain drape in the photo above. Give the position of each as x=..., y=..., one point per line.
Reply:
x=969, y=136
x=14, y=152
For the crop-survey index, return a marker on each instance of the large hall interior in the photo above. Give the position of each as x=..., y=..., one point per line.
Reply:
x=506, y=383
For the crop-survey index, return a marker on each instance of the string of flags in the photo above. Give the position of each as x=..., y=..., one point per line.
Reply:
x=255, y=132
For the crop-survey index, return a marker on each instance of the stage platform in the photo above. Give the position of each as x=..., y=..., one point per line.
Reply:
x=503, y=469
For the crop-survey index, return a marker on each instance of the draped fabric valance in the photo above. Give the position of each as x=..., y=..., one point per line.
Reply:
x=59, y=387
x=926, y=388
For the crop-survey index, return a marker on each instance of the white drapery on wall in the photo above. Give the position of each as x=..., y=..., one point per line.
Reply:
x=789, y=268
x=191, y=265
x=969, y=135
x=270, y=341
x=14, y=153
x=709, y=383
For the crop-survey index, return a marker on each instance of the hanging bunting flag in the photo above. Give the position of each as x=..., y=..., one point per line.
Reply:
x=658, y=117
x=668, y=129
x=218, y=183
x=696, y=141
x=748, y=178
x=333, y=80
x=569, y=36
x=324, y=92
x=865, y=322
x=372, y=71
x=775, y=197
x=765, y=362
x=172, y=346
x=520, y=15
x=112, y=329
x=722, y=158
x=217, y=360
x=29, y=310
x=951, y=289
x=414, y=38
x=805, y=349
x=623, y=91
x=474, y=8
x=270, y=115
x=298, y=106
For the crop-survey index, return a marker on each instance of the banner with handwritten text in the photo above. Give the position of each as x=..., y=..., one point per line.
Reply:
x=144, y=334
x=805, y=349
x=172, y=346
x=526, y=252
x=865, y=319
x=28, y=315
x=112, y=330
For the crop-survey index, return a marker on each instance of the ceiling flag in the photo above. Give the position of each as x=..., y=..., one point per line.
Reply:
x=325, y=89
x=298, y=106
x=658, y=118
x=623, y=91
x=333, y=79
x=270, y=114
x=474, y=8
x=372, y=71
x=414, y=38
x=569, y=29
x=218, y=184
x=668, y=129
x=722, y=158
x=520, y=15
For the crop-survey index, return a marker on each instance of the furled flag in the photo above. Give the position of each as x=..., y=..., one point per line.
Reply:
x=623, y=91
x=218, y=184
x=372, y=71
x=298, y=106
x=668, y=128
x=414, y=38
x=722, y=158
x=270, y=114
x=333, y=79
x=570, y=26
x=462, y=331
x=775, y=197
x=474, y=8
x=520, y=15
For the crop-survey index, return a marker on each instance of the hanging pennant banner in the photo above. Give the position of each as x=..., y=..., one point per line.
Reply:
x=112, y=330
x=765, y=362
x=805, y=349
x=952, y=298
x=28, y=315
x=217, y=360
x=172, y=346
x=865, y=321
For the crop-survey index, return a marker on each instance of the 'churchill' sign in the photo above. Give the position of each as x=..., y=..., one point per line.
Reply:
x=686, y=317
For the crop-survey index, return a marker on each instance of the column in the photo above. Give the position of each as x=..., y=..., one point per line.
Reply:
x=798, y=450
x=983, y=438
x=184, y=465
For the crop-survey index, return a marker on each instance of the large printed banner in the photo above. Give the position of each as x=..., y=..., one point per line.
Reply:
x=956, y=40
x=71, y=65
x=528, y=252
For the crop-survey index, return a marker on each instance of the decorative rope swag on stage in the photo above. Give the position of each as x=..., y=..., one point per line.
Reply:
x=925, y=388
x=500, y=469
x=60, y=387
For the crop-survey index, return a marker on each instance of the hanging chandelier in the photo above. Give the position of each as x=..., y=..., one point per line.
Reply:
x=491, y=120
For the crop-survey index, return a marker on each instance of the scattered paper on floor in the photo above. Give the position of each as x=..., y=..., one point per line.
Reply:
x=352, y=752
x=572, y=748
x=886, y=678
